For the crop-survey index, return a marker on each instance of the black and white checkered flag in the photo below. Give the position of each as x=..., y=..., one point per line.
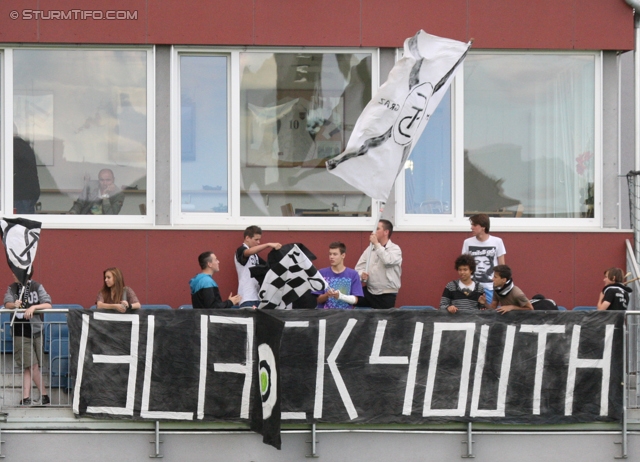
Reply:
x=289, y=279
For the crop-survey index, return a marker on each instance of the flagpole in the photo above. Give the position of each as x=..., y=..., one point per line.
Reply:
x=380, y=208
x=14, y=310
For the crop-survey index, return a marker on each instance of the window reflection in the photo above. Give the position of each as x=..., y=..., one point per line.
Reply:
x=83, y=115
x=26, y=185
x=297, y=111
x=529, y=135
x=428, y=170
x=203, y=129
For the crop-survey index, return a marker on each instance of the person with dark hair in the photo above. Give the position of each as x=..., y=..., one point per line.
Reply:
x=26, y=184
x=247, y=257
x=487, y=250
x=382, y=279
x=344, y=283
x=541, y=303
x=465, y=293
x=115, y=295
x=204, y=289
x=27, y=334
x=614, y=295
x=507, y=297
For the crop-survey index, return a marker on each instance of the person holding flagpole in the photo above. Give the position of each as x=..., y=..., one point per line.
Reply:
x=20, y=238
x=27, y=333
x=382, y=140
x=382, y=277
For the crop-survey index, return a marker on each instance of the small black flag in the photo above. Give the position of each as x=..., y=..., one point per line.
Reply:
x=20, y=238
x=265, y=415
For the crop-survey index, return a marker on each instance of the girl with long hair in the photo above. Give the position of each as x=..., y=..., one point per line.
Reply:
x=114, y=295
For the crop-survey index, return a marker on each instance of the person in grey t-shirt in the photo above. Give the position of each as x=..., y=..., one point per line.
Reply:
x=27, y=334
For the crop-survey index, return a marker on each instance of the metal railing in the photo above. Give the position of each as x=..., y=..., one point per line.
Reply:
x=58, y=384
x=50, y=367
x=633, y=183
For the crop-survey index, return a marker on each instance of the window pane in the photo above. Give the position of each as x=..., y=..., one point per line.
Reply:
x=80, y=116
x=297, y=111
x=428, y=171
x=529, y=135
x=203, y=129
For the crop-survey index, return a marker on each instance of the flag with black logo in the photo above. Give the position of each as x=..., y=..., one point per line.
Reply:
x=289, y=278
x=20, y=238
x=394, y=119
x=265, y=415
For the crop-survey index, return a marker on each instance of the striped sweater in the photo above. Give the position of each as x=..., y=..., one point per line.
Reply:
x=463, y=300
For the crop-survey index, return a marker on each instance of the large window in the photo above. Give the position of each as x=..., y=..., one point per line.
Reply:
x=428, y=172
x=80, y=132
x=256, y=129
x=529, y=128
x=517, y=138
x=204, y=149
x=297, y=111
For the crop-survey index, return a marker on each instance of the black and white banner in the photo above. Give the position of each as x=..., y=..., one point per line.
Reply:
x=383, y=366
x=415, y=367
x=20, y=238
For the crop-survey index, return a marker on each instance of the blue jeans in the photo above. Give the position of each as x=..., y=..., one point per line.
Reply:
x=250, y=303
x=25, y=205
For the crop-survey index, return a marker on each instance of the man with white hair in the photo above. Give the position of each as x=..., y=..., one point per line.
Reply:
x=103, y=198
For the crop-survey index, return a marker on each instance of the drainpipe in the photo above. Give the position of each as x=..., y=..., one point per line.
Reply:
x=635, y=4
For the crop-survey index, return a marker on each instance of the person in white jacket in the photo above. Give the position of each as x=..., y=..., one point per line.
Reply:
x=382, y=279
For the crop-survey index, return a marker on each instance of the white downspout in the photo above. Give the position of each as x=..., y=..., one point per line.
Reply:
x=635, y=4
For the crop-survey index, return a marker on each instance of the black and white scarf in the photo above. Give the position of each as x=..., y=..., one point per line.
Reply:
x=505, y=289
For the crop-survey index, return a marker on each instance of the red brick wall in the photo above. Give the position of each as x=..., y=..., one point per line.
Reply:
x=539, y=24
x=566, y=267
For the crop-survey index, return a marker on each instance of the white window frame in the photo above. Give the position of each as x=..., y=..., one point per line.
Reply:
x=79, y=221
x=232, y=219
x=456, y=221
x=179, y=217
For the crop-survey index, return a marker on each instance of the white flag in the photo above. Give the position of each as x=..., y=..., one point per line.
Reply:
x=289, y=279
x=394, y=119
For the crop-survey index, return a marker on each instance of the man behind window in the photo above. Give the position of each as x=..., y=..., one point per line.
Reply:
x=103, y=198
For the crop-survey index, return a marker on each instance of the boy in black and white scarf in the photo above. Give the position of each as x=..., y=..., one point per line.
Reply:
x=507, y=297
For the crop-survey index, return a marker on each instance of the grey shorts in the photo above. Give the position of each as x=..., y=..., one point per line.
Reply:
x=27, y=351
